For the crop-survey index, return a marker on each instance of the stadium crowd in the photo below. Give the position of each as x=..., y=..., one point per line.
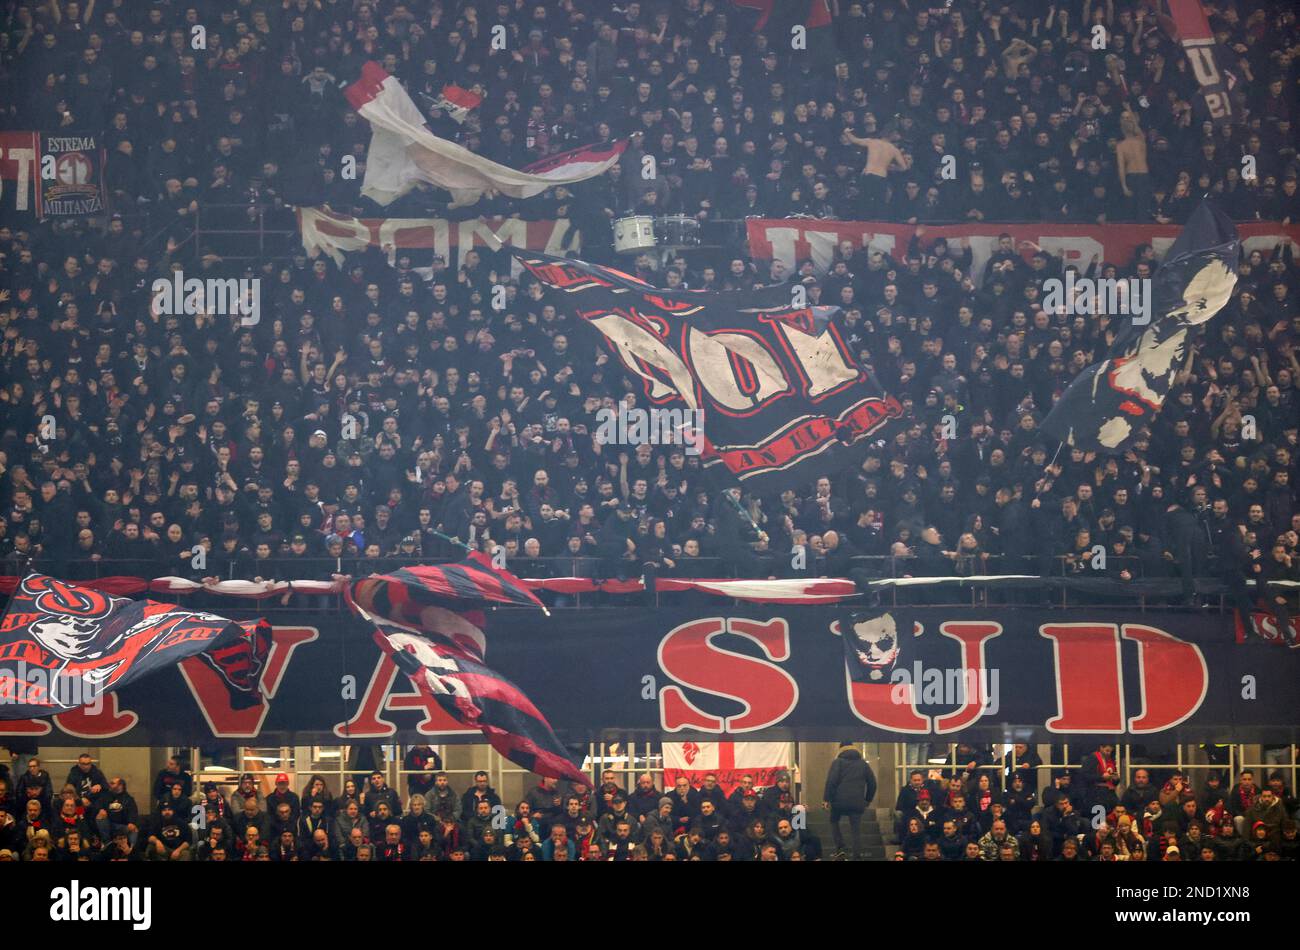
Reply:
x=981, y=809
x=95, y=818
x=974, y=808
x=172, y=431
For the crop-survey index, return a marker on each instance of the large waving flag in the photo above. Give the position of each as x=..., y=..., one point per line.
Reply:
x=63, y=646
x=445, y=600
x=429, y=621
x=403, y=152
x=1108, y=402
x=475, y=695
x=774, y=388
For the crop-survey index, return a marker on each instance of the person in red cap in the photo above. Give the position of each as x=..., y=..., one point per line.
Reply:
x=283, y=794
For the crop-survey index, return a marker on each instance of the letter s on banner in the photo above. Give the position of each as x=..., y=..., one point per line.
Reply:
x=688, y=656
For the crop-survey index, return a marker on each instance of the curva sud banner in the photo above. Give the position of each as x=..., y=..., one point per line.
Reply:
x=769, y=674
x=793, y=240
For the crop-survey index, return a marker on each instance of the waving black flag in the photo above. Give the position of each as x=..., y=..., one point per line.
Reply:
x=1110, y=401
x=63, y=646
x=775, y=390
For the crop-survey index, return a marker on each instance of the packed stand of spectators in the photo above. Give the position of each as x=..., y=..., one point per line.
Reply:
x=479, y=424
x=978, y=809
x=95, y=818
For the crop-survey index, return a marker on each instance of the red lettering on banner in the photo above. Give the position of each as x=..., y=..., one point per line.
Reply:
x=1173, y=676
x=887, y=705
x=1089, y=688
x=213, y=697
x=688, y=655
x=108, y=722
x=369, y=723
x=972, y=635
x=792, y=444
x=24, y=727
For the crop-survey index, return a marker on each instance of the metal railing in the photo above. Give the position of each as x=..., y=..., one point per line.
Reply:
x=883, y=579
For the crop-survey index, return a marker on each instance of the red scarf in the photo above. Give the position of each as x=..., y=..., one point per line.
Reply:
x=1107, y=765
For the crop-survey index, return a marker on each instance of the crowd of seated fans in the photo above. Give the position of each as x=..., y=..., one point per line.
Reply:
x=372, y=413
x=975, y=809
x=95, y=818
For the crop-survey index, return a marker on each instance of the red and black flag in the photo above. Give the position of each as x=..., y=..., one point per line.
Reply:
x=1189, y=24
x=477, y=696
x=766, y=378
x=444, y=600
x=63, y=646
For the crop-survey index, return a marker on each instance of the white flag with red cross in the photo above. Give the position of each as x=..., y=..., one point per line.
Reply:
x=728, y=760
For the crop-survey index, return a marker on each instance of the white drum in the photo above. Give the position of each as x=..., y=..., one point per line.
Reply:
x=634, y=233
x=678, y=230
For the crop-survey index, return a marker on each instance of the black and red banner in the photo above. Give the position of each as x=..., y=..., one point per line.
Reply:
x=760, y=673
x=19, y=172
x=1191, y=28
x=64, y=647
x=72, y=175
x=779, y=393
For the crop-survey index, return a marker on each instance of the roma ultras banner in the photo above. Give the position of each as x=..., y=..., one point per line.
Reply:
x=63, y=646
x=1191, y=27
x=729, y=761
x=746, y=674
x=336, y=235
x=1110, y=401
x=404, y=152
x=775, y=389
x=71, y=174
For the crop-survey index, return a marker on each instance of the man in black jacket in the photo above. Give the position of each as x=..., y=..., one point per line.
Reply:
x=850, y=789
x=87, y=779
x=173, y=774
x=117, y=811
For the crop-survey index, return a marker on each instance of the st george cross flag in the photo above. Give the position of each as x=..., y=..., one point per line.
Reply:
x=403, y=152
x=729, y=761
x=773, y=387
x=1109, y=402
x=63, y=646
x=475, y=695
x=458, y=102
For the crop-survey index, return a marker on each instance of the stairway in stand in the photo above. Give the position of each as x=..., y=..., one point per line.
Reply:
x=878, y=840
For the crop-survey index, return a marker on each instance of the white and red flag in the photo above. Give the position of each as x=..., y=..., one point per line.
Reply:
x=727, y=760
x=458, y=103
x=404, y=152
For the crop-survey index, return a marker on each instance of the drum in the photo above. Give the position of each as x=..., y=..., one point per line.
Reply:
x=678, y=230
x=634, y=234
